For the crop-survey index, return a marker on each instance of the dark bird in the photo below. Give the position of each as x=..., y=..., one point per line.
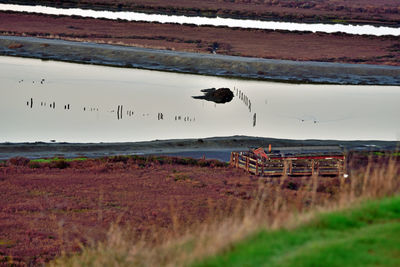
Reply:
x=219, y=96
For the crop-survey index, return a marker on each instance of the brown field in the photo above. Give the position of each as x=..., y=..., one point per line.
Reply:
x=355, y=11
x=241, y=42
x=49, y=208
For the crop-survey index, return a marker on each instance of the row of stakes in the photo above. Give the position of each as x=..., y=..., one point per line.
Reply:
x=41, y=81
x=118, y=111
x=243, y=97
x=44, y=104
x=246, y=100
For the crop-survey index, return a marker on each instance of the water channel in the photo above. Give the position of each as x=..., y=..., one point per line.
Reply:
x=46, y=100
x=255, y=24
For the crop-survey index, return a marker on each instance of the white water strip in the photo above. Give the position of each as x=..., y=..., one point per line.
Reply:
x=95, y=93
x=255, y=24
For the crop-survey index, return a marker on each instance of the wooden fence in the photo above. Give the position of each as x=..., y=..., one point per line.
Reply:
x=305, y=166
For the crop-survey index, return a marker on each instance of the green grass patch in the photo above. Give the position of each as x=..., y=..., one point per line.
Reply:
x=181, y=177
x=340, y=21
x=5, y=242
x=59, y=163
x=366, y=236
x=57, y=159
x=395, y=154
x=36, y=193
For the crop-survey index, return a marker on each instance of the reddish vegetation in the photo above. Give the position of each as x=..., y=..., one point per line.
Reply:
x=358, y=11
x=46, y=208
x=242, y=42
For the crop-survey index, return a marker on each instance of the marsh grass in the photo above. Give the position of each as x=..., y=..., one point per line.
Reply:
x=269, y=211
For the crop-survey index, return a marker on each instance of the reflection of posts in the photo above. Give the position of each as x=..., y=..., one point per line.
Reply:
x=254, y=119
x=119, y=112
x=181, y=118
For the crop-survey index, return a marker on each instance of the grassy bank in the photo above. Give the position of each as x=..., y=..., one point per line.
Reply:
x=368, y=235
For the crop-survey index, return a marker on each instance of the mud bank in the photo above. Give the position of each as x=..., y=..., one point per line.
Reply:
x=207, y=64
x=354, y=12
x=212, y=148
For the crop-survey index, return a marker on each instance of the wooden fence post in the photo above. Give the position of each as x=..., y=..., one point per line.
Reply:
x=340, y=167
x=237, y=160
x=257, y=167
x=262, y=168
x=312, y=167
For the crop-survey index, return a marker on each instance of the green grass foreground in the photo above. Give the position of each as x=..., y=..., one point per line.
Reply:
x=366, y=236
x=57, y=159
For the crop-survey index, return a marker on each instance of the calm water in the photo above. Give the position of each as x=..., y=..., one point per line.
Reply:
x=44, y=100
x=255, y=24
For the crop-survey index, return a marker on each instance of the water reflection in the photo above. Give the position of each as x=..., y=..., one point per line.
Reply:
x=75, y=104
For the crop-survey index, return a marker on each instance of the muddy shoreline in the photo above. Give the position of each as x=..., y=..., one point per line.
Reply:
x=356, y=12
x=211, y=148
x=196, y=63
